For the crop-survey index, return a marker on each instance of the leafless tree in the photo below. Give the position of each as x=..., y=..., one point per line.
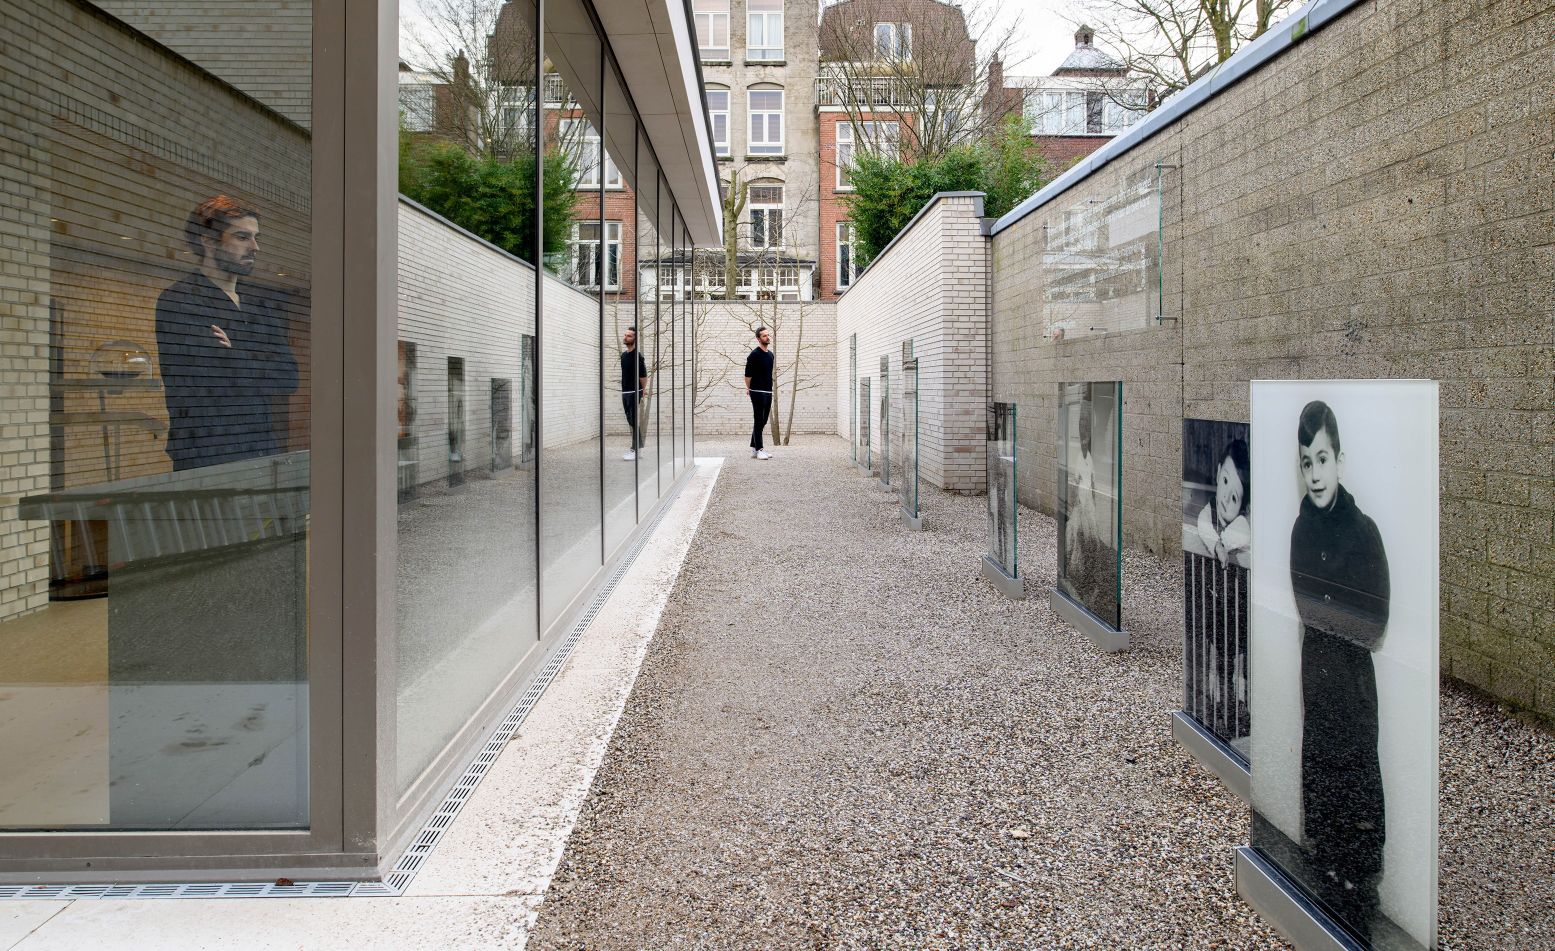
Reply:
x=925, y=65
x=1171, y=43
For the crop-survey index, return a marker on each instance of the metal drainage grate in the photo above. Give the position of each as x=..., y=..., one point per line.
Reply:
x=422, y=846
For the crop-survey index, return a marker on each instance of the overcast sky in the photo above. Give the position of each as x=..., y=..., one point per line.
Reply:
x=1046, y=37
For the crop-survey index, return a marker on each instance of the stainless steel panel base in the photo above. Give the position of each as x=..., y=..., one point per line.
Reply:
x=1281, y=903
x=913, y=522
x=1012, y=587
x=1103, y=635
x=1213, y=755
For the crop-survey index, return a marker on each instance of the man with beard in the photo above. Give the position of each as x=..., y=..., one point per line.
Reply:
x=222, y=344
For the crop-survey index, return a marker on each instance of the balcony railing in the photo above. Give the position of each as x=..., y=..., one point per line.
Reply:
x=838, y=88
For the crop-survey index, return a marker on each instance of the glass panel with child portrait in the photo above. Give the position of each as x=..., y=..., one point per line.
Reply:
x=1216, y=555
x=1344, y=649
x=1089, y=474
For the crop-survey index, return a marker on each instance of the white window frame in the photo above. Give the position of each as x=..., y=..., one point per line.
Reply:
x=712, y=18
x=898, y=41
x=765, y=120
x=583, y=255
x=763, y=23
x=721, y=146
x=845, y=267
x=585, y=147
x=847, y=136
x=761, y=230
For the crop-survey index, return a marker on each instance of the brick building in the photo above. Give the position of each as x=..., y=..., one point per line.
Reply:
x=1088, y=99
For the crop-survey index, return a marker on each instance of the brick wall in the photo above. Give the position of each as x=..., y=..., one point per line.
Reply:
x=930, y=286
x=1378, y=201
x=264, y=49
x=726, y=337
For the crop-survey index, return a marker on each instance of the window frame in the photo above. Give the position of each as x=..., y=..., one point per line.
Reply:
x=767, y=52
x=771, y=213
x=724, y=148
x=611, y=232
x=713, y=11
x=589, y=173
x=875, y=127
x=899, y=41
x=845, y=269
x=762, y=145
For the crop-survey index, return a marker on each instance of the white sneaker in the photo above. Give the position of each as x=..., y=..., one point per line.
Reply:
x=763, y=454
x=629, y=455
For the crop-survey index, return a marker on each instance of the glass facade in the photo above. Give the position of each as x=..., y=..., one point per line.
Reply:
x=282, y=536
x=156, y=271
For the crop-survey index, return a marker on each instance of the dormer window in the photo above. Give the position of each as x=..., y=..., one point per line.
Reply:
x=893, y=40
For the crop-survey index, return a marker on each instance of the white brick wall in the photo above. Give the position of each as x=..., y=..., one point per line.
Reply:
x=806, y=329
x=929, y=286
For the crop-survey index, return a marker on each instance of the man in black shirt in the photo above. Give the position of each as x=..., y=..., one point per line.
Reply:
x=634, y=387
x=222, y=344
x=758, y=386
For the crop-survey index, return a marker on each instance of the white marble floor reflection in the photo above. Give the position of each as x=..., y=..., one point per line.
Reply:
x=153, y=756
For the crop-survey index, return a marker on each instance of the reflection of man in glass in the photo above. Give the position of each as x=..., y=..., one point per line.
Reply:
x=222, y=345
x=634, y=387
x=1339, y=573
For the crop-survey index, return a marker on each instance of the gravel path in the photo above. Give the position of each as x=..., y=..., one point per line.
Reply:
x=841, y=737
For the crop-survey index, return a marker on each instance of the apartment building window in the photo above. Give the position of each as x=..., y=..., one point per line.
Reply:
x=712, y=18
x=766, y=209
x=581, y=140
x=764, y=30
x=518, y=112
x=1082, y=112
x=718, y=112
x=584, y=250
x=893, y=40
x=766, y=121
x=881, y=136
x=844, y=254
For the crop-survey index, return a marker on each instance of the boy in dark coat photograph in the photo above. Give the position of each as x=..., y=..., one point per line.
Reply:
x=1339, y=575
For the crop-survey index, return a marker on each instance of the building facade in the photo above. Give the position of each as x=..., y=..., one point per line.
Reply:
x=1089, y=99
x=306, y=484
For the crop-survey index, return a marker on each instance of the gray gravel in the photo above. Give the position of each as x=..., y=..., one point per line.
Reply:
x=841, y=737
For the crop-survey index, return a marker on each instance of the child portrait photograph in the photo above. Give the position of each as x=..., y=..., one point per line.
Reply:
x=1343, y=648
x=1088, y=432
x=1217, y=512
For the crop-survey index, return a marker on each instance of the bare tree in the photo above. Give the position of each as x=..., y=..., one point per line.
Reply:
x=925, y=65
x=1171, y=43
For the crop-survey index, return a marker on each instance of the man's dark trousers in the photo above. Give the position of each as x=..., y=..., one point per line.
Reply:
x=629, y=404
x=761, y=405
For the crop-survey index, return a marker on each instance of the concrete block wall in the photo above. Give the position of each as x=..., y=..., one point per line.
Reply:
x=724, y=338
x=1378, y=201
x=930, y=286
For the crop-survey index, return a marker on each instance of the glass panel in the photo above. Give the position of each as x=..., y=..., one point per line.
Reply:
x=1345, y=626
x=1090, y=424
x=466, y=611
x=1101, y=260
x=1003, y=504
x=624, y=371
x=571, y=407
x=645, y=256
x=156, y=281
x=666, y=336
x=683, y=361
x=865, y=407
x=885, y=421
x=909, y=429
x=853, y=403
x=1216, y=556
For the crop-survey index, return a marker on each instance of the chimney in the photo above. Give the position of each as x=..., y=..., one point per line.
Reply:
x=1084, y=36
